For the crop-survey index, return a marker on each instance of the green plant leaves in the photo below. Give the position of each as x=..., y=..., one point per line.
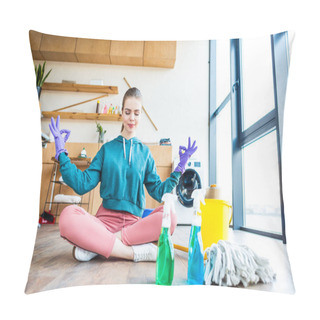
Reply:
x=40, y=78
x=100, y=129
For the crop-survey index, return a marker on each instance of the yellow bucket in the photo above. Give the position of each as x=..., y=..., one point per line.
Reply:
x=216, y=218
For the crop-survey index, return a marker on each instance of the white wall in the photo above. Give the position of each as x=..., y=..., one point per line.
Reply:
x=175, y=99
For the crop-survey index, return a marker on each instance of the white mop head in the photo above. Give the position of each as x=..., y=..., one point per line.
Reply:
x=229, y=264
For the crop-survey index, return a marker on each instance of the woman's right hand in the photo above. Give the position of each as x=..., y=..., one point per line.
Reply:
x=58, y=138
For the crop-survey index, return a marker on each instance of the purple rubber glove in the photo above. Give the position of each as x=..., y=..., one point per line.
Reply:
x=58, y=138
x=185, y=154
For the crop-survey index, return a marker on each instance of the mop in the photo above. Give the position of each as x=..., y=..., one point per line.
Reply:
x=230, y=264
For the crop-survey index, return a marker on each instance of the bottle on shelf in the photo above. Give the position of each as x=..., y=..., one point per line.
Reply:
x=102, y=106
x=83, y=153
x=97, y=107
x=110, y=109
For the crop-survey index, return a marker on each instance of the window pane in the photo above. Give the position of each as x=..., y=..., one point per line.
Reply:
x=289, y=44
x=261, y=185
x=257, y=78
x=223, y=69
x=224, y=154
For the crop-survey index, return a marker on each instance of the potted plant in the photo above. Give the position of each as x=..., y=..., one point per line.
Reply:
x=101, y=133
x=40, y=76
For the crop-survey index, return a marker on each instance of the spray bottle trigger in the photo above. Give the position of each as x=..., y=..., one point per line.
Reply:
x=198, y=195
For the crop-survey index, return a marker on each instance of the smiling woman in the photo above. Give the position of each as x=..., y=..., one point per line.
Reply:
x=131, y=111
x=123, y=166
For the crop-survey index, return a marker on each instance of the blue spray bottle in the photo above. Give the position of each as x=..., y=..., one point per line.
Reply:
x=195, y=252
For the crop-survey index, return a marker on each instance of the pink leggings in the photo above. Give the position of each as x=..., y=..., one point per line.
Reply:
x=97, y=233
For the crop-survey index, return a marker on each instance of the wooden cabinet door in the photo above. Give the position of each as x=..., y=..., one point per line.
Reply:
x=159, y=54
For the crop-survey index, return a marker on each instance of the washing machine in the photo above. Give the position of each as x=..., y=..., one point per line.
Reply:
x=191, y=179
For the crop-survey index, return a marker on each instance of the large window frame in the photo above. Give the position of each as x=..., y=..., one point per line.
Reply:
x=241, y=138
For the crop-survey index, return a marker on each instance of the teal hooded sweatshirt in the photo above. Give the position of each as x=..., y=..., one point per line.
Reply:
x=123, y=167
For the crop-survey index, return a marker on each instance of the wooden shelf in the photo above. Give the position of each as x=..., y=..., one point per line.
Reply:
x=82, y=116
x=80, y=161
x=74, y=87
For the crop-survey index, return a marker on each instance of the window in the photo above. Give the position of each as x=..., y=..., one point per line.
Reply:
x=224, y=154
x=246, y=100
x=257, y=78
x=261, y=184
x=223, y=70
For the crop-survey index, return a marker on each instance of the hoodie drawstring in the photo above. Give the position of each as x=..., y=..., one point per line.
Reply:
x=130, y=154
x=124, y=150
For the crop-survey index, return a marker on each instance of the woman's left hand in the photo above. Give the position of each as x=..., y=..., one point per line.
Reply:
x=185, y=154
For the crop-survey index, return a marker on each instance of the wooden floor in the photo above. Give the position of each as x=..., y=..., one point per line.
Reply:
x=53, y=266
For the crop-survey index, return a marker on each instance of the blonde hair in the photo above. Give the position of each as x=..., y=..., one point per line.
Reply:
x=132, y=92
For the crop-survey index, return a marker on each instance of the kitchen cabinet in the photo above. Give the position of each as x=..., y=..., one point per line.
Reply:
x=47, y=47
x=93, y=51
x=35, y=41
x=54, y=48
x=159, y=54
x=128, y=53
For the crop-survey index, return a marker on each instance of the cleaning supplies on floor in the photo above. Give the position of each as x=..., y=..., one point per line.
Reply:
x=66, y=198
x=216, y=217
x=230, y=264
x=195, y=252
x=165, y=254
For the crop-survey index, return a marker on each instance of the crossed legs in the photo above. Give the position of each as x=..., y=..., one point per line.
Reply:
x=110, y=233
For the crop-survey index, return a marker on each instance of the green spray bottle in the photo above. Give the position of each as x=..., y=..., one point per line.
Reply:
x=165, y=255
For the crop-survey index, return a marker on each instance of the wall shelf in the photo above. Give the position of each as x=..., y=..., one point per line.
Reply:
x=82, y=116
x=74, y=87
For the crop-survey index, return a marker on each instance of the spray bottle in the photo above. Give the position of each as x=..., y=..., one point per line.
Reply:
x=195, y=252
x=165, y=255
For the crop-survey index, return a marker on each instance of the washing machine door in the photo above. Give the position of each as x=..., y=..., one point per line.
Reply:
x=189, y=181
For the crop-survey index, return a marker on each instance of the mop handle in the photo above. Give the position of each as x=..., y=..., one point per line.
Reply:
x=231, y=213
x=185, y=249
x=176, y=246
